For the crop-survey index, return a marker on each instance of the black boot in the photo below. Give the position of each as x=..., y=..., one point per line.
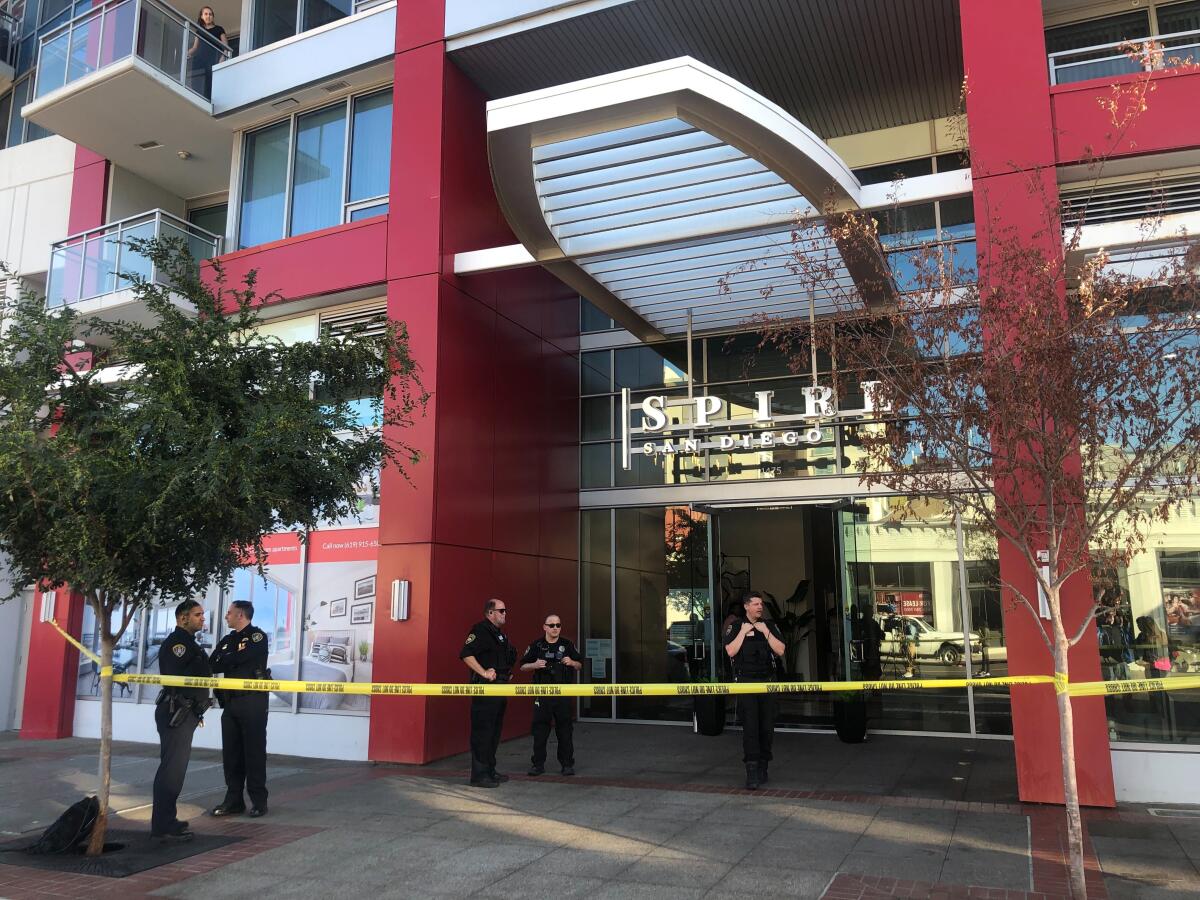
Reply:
x=751, y=776
x=762, y=772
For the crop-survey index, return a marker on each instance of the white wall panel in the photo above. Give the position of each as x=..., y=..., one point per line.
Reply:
x=35, y=200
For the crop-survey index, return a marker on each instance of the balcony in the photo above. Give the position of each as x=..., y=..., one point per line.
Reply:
x=10, y=39
x=307, y=68
x=91, y=271
x=131, y=80
x=1164, y=51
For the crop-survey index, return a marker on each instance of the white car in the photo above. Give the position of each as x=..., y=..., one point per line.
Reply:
x=945, y=646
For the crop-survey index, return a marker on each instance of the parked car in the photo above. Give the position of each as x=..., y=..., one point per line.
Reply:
x=945, y=646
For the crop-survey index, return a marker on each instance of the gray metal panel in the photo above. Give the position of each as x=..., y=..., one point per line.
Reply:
x=839, y=66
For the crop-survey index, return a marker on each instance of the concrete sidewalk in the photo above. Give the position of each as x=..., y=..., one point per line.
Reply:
x=653, y=812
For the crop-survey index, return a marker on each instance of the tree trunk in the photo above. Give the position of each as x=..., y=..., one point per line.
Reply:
x=1066, y=738
x=96, y=843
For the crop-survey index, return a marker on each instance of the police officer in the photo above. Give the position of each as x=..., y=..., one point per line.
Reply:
x=490, y=657
x=177, y=712
x=553, y=660
x=243, y=654
x=753, y=645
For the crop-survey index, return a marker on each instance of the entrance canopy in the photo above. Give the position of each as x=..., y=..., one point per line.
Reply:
x=671, y=188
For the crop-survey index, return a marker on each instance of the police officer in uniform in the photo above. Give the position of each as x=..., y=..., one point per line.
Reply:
x=177, y=712
x=243, y=654
x=753, y=644
x=490, y=657
x=553, y=660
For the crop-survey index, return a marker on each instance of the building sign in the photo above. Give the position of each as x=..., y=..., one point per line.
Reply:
x=761, y=430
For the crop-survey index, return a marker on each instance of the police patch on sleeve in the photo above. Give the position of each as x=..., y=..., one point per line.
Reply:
x=470, y=637
x=178, y=649
x=258, y=636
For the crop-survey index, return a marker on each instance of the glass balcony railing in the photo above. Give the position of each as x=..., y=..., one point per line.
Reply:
x=149, y=29
x=1164, y=51
x=98, y=262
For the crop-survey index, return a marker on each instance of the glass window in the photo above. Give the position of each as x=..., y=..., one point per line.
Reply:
x=595, y=608
x=5, y=106
x=1179, y=17
x=274, y=20
x=322, y=12
x=651, y=366
x=366, y=212
x=16, y=125
x=210, y=218
x=591, y=319
x=663, y=605
x=948, y=162
x=265, y=185
x=317, y=174
x=897, y=171
x=1108, y=30
x=596, y=372
x=1148, y=626
x=314, y=169
x=740, y=356
x=371, y=150
x=596, y=419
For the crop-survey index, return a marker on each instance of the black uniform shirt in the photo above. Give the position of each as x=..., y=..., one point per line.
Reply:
x=556, y=672
x=755, y=661
x=181, y=655
x=490, y=648
x=242, y=654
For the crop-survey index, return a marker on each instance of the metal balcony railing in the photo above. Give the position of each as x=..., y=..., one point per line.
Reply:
x=98, y=262
x=10, y=36
x=1163, y=51
x=149, y=29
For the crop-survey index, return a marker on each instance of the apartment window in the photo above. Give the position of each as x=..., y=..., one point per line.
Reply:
x=1080, y=51
x=210, y=218
x=316, y=169
x=275, y=20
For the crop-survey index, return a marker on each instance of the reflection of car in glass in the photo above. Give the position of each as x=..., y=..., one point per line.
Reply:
x=677, y=663
x=945, y=646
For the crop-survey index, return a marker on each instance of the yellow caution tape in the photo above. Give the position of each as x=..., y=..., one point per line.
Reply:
x=78, y=646
x=1135, y=686
x=1060, y=682
x=563, y=690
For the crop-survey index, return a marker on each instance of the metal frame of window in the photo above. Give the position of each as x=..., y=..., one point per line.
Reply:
x=1151, y=9
x=348, y=104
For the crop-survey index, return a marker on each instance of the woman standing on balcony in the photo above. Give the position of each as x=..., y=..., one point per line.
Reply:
x=204, y=54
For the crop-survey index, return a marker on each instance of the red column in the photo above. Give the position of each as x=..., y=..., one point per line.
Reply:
x=53, y=670
x=1012, y=146
x=492, y=508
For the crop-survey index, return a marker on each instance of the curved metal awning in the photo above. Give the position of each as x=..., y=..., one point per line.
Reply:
x=671, y=188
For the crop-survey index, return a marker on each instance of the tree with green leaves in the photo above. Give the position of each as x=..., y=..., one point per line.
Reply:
x=157, y=468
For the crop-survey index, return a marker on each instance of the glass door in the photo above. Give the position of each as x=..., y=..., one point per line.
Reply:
x=857, y=658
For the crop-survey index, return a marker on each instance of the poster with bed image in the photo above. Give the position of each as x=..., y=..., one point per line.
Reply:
x=339, y=629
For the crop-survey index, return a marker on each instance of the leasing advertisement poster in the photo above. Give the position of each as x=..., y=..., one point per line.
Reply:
x=339, y=615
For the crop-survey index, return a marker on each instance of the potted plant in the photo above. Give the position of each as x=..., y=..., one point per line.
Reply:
x=363, y=649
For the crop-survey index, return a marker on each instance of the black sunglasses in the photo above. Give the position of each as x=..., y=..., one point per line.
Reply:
x=554, y=625
x=498, y=609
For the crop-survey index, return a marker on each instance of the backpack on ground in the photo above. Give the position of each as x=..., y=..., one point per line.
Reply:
x=70, y=829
